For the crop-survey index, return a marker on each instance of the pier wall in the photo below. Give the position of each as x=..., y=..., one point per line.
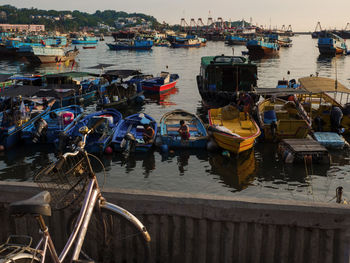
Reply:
x=207, y=228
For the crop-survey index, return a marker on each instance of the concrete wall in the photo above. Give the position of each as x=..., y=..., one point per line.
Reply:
x=207, y=228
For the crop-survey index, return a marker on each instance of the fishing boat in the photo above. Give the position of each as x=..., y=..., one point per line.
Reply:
x=221, y=77
x=129, y=133
x=279, y=119
x=326, y=96
x=235, y=40
x=331, y=44
x=89, y=47
x=47, y=128
x=101, y=137
x=262, y=46
x=163, y=83
x=131, y=44
x=46, y=54
x=170, y=124
x=282, y=41
x=14, y=121
x=121, y=96
x=85, y=40
x=186, y=43
x=232, y=130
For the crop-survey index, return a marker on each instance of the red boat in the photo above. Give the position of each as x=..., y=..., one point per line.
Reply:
x=89, y=47
x=161, y=84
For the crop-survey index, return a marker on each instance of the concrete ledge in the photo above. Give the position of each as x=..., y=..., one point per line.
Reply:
x=260, y=229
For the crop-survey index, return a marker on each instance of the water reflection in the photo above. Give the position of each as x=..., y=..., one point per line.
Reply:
x=130, y=162
x=235, y=171
x=162, y=98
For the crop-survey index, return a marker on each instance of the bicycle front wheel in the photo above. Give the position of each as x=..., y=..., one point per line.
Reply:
x=111, y=237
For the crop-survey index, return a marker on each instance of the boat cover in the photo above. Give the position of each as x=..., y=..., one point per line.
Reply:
x=321, y=84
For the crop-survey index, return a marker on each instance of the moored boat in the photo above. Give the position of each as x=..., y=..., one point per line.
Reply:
x=331, y=44
x=233, y=130
x=163, y=83
x=101, y=137
x=221, y=77
x=85, y=40
x=47, y=128
x=129, y=133
x=262, y=46
x=170, y=124
x=279, y=119
x=89, y=47
x=131, y=44
x=235, y=40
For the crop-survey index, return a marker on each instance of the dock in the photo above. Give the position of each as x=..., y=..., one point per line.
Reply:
x=301, y=149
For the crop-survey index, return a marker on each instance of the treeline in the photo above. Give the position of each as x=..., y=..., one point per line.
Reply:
x=65, y=20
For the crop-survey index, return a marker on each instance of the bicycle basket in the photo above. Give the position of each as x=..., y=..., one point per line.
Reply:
x=67, y=183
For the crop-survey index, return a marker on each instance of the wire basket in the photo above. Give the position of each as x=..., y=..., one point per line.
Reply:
x=66, y=184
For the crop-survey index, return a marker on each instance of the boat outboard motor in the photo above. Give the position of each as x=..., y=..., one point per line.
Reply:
x=40, y=130
x=128, y=144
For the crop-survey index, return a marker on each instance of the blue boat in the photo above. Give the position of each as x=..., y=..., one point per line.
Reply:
x=101, y=137
x=235, y=40
x=133, y=124
x=263, y=46
x=131, y=44
x=331, y=44
x=48, y=127
x=85, y=40
x=170, y=124
x=12, y=124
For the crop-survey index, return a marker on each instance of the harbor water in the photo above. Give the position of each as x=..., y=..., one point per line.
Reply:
x=257, y=173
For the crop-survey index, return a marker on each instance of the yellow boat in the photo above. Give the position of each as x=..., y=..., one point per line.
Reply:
x=231, y=130
x=326, y=93
x=281, y=119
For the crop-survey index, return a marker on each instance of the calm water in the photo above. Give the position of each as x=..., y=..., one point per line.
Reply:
x=257, y=173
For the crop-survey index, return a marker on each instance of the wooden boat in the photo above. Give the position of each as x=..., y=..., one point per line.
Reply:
x=280, y=119
x=262, y=46
x=326, y=94
x=133, y=124
x=89, y=47
x=102, y=135
x=50, y=125
x=222, y=76
x=163, y=83
x=13, y=122
x=232, y=130
x=170, y=123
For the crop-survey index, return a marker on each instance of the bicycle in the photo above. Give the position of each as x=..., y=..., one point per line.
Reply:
x=67, y=180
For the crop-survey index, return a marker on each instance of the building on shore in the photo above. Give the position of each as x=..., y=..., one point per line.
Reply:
x=22, y=28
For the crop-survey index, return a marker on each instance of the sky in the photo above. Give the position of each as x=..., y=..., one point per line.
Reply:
x=302, y=15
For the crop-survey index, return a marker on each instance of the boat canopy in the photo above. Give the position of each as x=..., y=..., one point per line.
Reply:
x=70, y=74
x=23, y=90
x=321, y=84
x=122, y=73
x=281, y=91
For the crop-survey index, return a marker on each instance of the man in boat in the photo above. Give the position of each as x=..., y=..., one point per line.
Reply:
x=245, y=103
x=148, y=133
x=336, y=117
x=184, y=131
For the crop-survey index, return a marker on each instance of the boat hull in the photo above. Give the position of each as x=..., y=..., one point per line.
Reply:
x=158, y=88
x=261, y=50
x=239, y=139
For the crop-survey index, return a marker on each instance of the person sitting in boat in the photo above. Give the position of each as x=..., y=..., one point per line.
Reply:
x=184, y=131
x=336, y=118
x=148, y=133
